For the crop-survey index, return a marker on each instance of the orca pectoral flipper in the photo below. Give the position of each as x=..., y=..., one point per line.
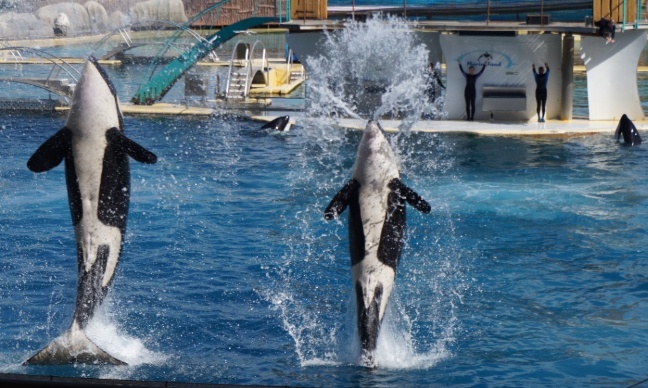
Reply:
x=341, y=200
x=410, y=196
x=51, y=153
x=131, y=148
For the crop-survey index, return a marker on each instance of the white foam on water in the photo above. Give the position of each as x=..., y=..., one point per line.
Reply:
x=113, y=338
x=398, y=347
x=310, y=288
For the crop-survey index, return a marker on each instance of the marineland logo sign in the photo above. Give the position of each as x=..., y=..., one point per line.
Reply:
x=490, y=58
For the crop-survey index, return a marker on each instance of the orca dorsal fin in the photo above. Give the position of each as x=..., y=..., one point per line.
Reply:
x=131, y=148
x=341, y=199
x=51, y=153
x=410, y=196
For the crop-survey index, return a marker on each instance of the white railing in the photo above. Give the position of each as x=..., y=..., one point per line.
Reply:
x=16, y=55
x=126, y=36
x=289, y=62
x=246, y=66
x=265, y=65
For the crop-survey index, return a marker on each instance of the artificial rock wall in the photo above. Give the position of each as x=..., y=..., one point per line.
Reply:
x=84, y=18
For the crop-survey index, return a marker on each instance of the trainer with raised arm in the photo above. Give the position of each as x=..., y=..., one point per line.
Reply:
x=541, y=78
x=470, y=92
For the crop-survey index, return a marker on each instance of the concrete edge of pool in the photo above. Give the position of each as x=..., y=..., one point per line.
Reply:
x=551, y=128
x=576, y=127
x=24, y=380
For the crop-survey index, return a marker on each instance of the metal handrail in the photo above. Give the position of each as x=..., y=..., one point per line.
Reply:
x=289, y=62
x=184, y=27
x=265, y=64
x=639, y=13
x=246, y=68
x=55, y=60
x=162, y=82
x=126, y=36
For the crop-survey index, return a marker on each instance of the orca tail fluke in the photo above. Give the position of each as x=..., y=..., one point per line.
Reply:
x=73, y=347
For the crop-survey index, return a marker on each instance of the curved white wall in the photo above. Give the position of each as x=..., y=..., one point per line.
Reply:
x=612, y=75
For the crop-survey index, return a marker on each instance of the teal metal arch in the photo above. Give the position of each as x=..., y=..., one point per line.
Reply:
x=55, y=60
x=65, y=94
x=167, y=45
x=121, y=50
x=160, y=83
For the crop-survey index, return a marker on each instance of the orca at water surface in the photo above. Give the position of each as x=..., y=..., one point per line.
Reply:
x=95, y=150
x=627, y=129
x=280, y=125
x=376, y=198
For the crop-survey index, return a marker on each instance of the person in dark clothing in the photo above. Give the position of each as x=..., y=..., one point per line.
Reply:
x=607, y=29
x=470, y=93
x=434, y=82
x=541, y=78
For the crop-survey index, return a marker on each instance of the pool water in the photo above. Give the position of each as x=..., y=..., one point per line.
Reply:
x=529, y=270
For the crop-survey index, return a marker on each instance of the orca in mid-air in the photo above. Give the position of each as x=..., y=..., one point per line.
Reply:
x=376, y=199
x=627, y=129
x=95, y=151
x=279, y=125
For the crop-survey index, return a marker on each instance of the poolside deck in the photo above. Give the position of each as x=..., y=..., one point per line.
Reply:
x=551, y=128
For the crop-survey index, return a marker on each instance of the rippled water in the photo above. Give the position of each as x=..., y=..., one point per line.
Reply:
x=529, y=270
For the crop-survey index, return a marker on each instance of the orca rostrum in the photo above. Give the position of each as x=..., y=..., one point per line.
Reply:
x=95, y=150
x=376, y=198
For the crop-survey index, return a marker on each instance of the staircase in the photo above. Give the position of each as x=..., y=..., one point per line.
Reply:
x=238, y=84
x=161, y=82
x=296, y=75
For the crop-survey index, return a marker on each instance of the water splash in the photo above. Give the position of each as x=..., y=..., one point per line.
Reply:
x=112, y=338
x=372, y=70
x=369, y=70
x=310, y=288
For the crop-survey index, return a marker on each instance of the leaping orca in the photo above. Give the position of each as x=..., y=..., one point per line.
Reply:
x=627, y=128
x=279, y=125
x=96, y=152
x=376, y=198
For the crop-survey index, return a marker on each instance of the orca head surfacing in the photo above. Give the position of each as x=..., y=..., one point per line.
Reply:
x=627, y=129
x=279, y=125
x=376, y=199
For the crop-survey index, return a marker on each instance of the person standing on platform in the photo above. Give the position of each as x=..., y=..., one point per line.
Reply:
x=607, y=28
x=434, y=83
x=470, y=92
x=541, y=78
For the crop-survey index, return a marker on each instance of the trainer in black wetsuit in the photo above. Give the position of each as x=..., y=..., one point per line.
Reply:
x=607, y=28
x=470, y=93
x=541, y=79
x=434, y=83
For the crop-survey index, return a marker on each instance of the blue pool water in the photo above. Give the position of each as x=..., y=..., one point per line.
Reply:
x=529, y=271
